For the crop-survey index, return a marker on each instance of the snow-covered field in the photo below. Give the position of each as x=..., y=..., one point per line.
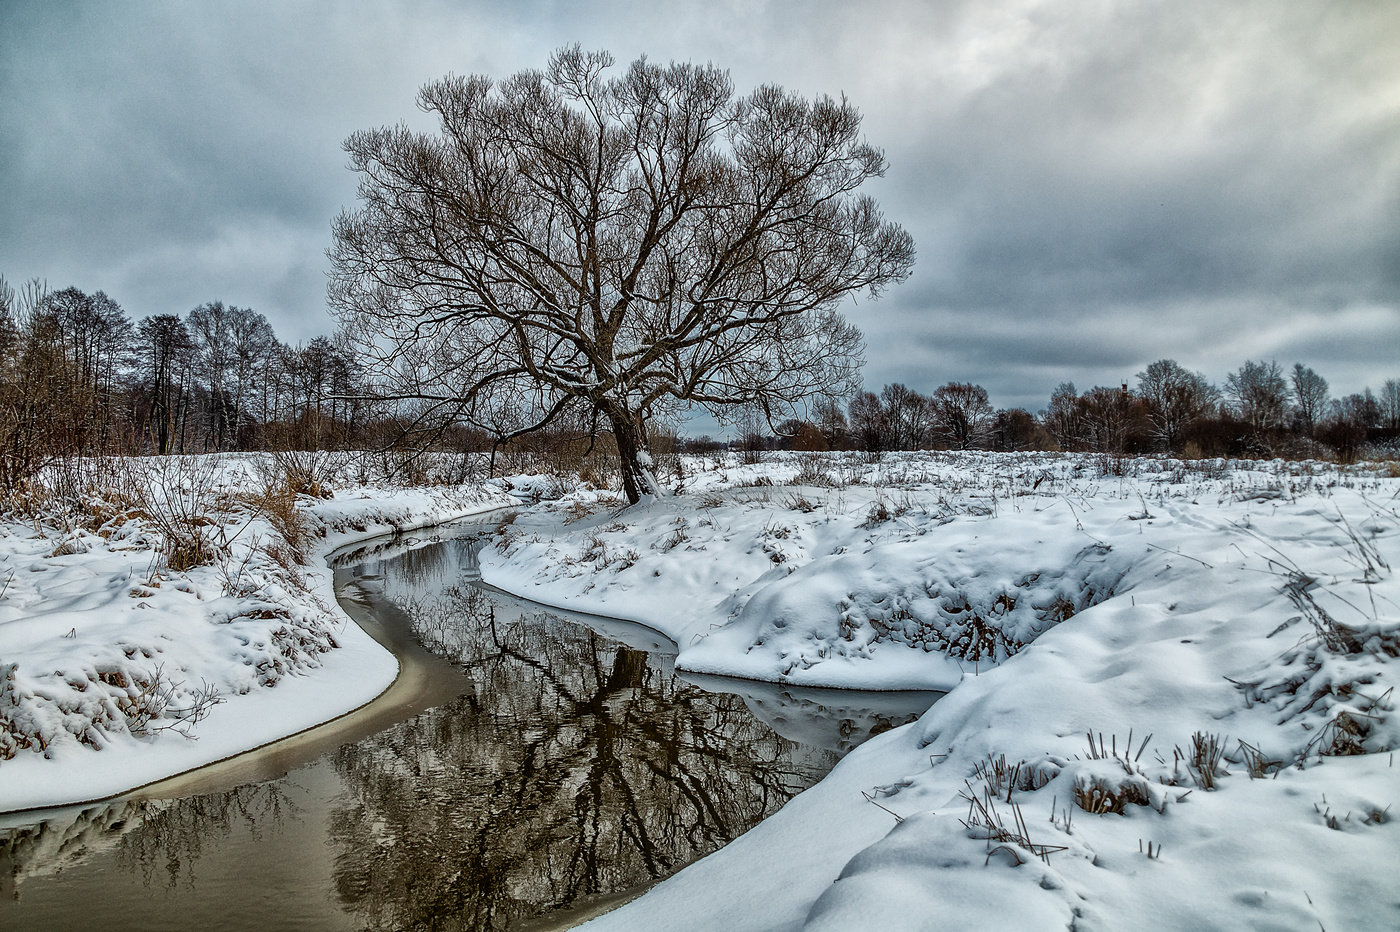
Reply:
x=1194, y=660
x=1171, y=683
x=117, y=670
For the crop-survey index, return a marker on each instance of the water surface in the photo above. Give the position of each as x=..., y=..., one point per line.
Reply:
x=546, y=767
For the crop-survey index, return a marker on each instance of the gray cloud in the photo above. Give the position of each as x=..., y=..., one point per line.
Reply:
x=1091, y=188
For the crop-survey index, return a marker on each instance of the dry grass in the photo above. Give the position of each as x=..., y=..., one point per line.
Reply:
x=1101, y=795
x=276, y=502
x=796, y=501
x=984, y=816
x=1203, y=760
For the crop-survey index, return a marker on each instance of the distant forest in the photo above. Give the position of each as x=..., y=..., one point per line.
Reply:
x=1262, y=410
x=78, y=377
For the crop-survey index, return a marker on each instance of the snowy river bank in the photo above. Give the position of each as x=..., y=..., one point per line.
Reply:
x=459, y=806
x=117, y=673
x=1171, y=683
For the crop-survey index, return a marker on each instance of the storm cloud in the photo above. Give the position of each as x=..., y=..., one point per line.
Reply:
x=1091, y=186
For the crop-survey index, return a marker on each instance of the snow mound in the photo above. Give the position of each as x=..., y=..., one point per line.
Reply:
x=972, y=598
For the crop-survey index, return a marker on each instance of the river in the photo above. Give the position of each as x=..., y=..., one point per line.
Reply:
x=529, y=769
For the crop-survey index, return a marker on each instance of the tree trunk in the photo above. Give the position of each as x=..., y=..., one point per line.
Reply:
x=636, y=476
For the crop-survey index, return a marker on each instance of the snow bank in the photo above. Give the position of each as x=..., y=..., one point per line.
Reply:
x=1174, y=706
x=116, y=670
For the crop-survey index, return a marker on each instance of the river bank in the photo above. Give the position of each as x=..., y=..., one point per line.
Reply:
x=117, y=670
x=1172, y=683
x=1172, y=698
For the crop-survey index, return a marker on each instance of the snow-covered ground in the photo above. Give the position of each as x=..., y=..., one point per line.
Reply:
x=1171, y=683
x=117, y=670
x=1191, y=659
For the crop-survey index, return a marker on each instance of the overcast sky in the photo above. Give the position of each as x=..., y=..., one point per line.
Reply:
x=1091, y=186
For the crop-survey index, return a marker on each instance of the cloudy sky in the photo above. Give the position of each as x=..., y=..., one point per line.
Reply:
x=1091, y=186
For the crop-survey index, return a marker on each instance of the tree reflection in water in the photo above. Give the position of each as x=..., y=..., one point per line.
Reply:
x=173, y=832
x=159, y=840
x=572, y=766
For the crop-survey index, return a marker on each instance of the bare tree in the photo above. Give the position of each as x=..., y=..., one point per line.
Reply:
x=631, y=244
x=165, y=352
x=830, y=420
x=252, y=343
x=1111, y=416
x=9, y=316
x=963, y=416
x=37, y=387
x=1063, y=418
x=211, y=334
x=1175, y=399
x=1259, y=393
x=322, y=376
x=1309, y=398
x=869, y=426
x=1390, y=404
x=909, y=415
x=1016, y=429
x=1361, y=409
x=94, y=333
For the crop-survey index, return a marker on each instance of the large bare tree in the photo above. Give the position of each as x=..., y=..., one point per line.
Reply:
x=618, y=245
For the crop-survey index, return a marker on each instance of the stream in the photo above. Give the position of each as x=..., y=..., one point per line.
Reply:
x=531, y=768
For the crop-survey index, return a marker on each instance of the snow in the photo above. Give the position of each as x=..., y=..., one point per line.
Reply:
x=1199, y=657
x=1209, y=613
x=116, y=672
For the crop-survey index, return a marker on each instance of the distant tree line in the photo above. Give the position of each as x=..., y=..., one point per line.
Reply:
x=1261, y=410
x=79, y=377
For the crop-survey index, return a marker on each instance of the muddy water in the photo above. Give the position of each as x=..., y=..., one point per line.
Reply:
x=532, y=768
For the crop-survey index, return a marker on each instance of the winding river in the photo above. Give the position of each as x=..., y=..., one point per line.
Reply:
x=529, y=769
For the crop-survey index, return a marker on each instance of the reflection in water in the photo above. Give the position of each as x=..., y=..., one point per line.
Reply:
x=173, y=833
x=571, y=765
x=837, y=719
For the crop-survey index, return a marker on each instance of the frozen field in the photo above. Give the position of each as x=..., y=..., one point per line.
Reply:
x=1171, y=683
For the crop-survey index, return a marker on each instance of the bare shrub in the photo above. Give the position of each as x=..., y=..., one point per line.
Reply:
x=1345, y=733
x=878, y=514
x=999, y=775
x=594, y=550
x=306, y=472
x=1256, y=763
x=814, y=470
x=1100, y=796
x=175, y=494
x=674, y=540
x=799, y=502
x=277, y=503
x=154, y=702
x=1104, y=793
x=710, y=500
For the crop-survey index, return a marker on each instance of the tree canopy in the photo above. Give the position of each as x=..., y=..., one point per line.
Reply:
x=619, y=245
